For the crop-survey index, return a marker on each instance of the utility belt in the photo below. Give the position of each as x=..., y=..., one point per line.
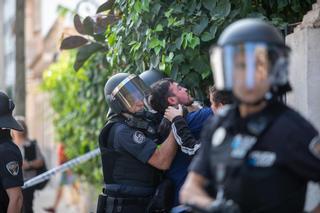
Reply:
x=110, y=204
x=113, y=199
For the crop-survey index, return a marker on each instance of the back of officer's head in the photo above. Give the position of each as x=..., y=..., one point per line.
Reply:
x=251, y=60
x=125, y=93
x=151, y=76
x=7, y=121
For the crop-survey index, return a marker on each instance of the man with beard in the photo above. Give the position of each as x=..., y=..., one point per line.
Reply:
x=165, y=93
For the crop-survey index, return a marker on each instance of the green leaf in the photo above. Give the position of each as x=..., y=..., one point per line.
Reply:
x=84, y=53
x=192, y=79
x=154, y=43
x=155, y=60
x=157, y=50
x=111, y=39
x=199, y=28
x=200, y=64
x=88, y=25
x=105, y=6
x=178, y=59
x=222, y=9
x=73, y=42
x=62, y=11
x=295, y=5
x=282, y=4
x=78, y=24
x=178, y=42
x=159, y=28
x=211, y=35
x=195, y=41
x=169, y=58
x=209, y=4
x=156, y=8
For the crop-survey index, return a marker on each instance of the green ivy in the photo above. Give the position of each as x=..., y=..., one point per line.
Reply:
x=78, y=103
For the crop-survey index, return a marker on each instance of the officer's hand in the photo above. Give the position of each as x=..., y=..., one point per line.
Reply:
x=172, y=112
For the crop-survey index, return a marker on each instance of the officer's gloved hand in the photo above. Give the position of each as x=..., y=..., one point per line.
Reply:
x=223, y=206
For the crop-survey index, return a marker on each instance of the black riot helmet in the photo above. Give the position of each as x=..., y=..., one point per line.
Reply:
x=151, y=76
x=123, y=91
x=250, y=52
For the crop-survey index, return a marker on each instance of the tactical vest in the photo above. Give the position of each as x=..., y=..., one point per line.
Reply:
x=119, y=167
x=230, y=149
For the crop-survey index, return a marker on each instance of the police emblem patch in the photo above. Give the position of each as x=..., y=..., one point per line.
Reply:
x=138, y=137
x=13, y=168
x=314, y=146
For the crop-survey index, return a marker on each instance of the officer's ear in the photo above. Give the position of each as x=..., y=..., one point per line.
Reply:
x=113, y=104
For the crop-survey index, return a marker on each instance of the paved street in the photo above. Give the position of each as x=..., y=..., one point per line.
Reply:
x=45, y=198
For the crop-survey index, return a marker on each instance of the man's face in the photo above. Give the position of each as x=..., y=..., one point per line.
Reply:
x=179, y=95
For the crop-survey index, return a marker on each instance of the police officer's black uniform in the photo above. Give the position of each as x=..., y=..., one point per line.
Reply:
x=267, y=155
x=10, y=167
x=126, y=144
x=10, y=155
x=262, y=160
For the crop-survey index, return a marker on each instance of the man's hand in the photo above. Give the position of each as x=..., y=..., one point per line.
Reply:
x=172, y=112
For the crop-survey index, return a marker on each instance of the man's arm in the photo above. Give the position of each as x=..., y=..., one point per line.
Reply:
x=193, y=192
x=164, y=154
x=15, y=199
x=181, y=131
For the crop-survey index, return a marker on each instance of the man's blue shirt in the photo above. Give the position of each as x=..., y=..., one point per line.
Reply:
x=179, y=167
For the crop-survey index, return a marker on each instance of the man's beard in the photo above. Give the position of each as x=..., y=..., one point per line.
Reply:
x=190, y=102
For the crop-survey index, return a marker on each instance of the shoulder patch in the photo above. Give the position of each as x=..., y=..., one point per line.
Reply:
x=13, y=168
x=314, y=146
x=138, y=137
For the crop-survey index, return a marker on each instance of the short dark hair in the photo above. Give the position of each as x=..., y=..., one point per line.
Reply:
x=220, y=97
x=160, y=91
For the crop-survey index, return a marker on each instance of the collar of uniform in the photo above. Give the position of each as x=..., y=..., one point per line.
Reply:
x=5, y=135
x=253, y=124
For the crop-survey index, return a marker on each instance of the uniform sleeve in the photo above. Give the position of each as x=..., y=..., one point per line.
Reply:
x=200, y=163
x=184, y=137
x=135, y=143
x=10, y=169
x=302, y=151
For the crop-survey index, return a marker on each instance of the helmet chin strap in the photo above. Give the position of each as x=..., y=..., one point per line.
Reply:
x=266, y=98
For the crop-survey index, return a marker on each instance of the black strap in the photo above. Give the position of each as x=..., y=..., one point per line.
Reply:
x=110, y=204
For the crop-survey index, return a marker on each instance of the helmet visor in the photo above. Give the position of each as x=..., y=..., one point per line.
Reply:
x=246, y=64
x=131, y=93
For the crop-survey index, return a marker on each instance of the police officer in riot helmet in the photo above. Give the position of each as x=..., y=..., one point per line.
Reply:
x=131, y=158
x=258, y=154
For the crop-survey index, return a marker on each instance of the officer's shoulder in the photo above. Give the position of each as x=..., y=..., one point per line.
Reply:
x=296, y=121
x=8, y=149
x=225, y=110
x=213, y=121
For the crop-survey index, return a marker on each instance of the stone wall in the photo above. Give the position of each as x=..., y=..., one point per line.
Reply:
x=305, y=77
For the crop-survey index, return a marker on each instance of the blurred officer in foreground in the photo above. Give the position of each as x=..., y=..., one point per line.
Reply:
x=131, y=159
x=11, y=179
x=258, y=154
